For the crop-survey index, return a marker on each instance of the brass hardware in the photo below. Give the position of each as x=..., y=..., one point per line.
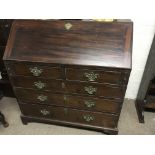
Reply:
x=91, y=76
x=39, y=85
x=45, y=112
x=90, y=90
x=63, y=85
x=88, y=118
x=68, y=26
x=89, y=104
x=35, y=71
x=65, y=99
x=6, y=25
x=42, y=98
x=66, y=111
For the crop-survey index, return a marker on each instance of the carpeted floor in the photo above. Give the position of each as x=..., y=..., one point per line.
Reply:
x=128, y=124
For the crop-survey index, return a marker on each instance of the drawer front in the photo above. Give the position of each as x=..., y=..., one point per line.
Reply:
x=98, y=90
x=37, y=71
x=70, y=115
x=93, y=104
x=37, y=83
x=35, y=96
x=95, y=76
x=79, y=102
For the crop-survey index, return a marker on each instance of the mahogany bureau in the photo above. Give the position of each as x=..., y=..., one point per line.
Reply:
x=70, y=72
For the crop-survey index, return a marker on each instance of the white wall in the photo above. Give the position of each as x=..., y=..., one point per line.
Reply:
x=144, y=30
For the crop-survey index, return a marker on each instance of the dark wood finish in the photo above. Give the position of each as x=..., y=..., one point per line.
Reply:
x=29, y=119
x=73, y=101
x=146, y=91
x=29, y=82
x=102, y=76
x=24, y=70
x=5, y=86
x=87, y=43
x=93, y=101
x=31, y=96
x=70, y=115
x=102, y=90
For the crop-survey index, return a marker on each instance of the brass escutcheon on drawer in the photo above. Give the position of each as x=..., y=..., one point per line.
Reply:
x=91, y=76
x=90, y=90
x=36, y=71
x=39, y=85
x=88, y=118
x=66, y=111
x=68, y=26
x=89, y=104
x=44, y=112
x=42, y=98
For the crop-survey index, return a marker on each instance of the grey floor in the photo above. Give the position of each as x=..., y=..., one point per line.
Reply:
x=128, y=124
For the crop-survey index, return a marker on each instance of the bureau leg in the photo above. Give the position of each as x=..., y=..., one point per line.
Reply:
x=110, y=132
x=3, y=121
x=24, y=120
x=140, y=110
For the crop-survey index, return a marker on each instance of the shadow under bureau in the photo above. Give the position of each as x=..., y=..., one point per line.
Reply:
x=70, y=72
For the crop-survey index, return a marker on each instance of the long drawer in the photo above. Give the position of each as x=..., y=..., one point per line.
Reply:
x=94, y=89
x=113, y=77
x=70, y=115
x=82, y=88
x=73, y=101
x=37, y=83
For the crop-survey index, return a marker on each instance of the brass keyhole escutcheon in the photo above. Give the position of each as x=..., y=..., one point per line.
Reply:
x=66, y=111
x=68, y=26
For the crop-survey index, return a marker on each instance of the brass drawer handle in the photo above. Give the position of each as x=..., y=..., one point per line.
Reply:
x=68, y=26
x=88, y=118
x=91, y=76
x=89, y=104
x=39, y=85
x=42, y=98
x=35, y=71
x=90, y=90
x=44, y=112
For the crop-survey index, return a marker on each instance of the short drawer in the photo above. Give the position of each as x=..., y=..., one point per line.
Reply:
x=35, y=96
x=113, y=77
x=70, y=115
x=98, y=90
x=36, y=70
x=37, y=83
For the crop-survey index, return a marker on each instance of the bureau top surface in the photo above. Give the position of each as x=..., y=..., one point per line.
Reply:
x=72, y=42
